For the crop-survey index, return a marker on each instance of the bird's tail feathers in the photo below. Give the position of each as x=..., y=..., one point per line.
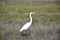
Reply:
x=20, y=30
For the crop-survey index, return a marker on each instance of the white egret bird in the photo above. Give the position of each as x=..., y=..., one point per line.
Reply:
x=28, y=24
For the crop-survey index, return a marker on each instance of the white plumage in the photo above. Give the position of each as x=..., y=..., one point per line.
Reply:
x=27, y=25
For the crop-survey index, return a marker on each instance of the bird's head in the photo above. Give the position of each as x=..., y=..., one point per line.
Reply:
x=31, y=12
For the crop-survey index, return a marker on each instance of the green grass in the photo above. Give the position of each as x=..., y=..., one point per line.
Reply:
x=24, y=7
x=46, y=11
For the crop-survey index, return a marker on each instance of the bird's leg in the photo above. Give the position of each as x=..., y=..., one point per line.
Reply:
x=26, y=32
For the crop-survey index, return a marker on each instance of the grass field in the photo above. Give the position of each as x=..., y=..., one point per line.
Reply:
x=45, y=12
x=17, y=10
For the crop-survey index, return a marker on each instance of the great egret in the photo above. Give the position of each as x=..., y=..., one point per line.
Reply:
x=28, y=24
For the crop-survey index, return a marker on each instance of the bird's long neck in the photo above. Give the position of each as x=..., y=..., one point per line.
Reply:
x=30, y=19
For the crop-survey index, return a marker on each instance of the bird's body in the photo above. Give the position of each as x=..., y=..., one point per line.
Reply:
x=27, y=25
